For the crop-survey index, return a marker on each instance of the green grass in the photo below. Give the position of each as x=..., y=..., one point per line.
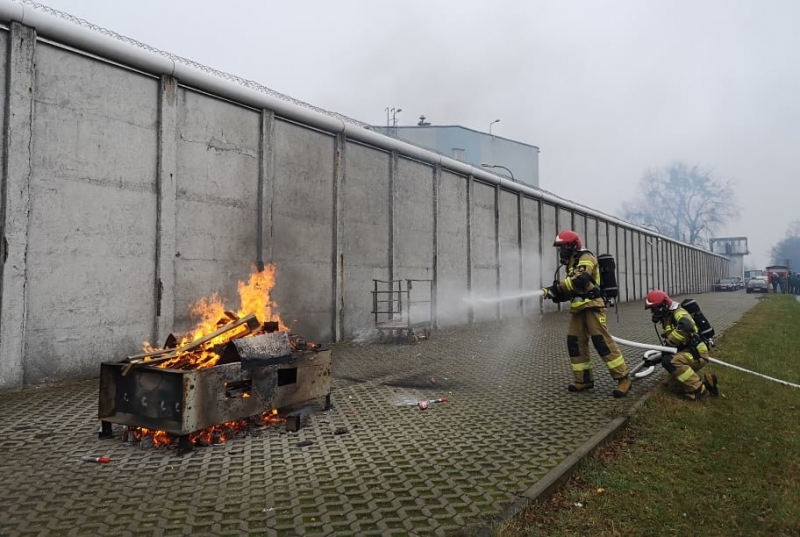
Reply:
x=724, y=466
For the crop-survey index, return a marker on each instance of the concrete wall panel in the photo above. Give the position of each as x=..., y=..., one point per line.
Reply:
x=549, y=255
x=484, y=261
x=592, y=238
x=622, y=263
x=532, y=273
x=453, y=283
x=509, y=252
x=217, y=200
x=300, y=239
x=579, y=227
x=413, y=233
x=91, y=244
x=564, y=220
x=366, y=231
x=413, y=220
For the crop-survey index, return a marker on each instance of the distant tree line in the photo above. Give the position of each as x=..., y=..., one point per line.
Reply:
x=787, y=251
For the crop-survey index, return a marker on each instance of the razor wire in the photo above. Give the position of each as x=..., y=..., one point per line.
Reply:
x=250, y=84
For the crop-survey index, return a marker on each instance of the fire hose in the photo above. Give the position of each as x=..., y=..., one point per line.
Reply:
x=649, y=361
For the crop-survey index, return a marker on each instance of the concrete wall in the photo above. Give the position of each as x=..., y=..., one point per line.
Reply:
x=127, y=196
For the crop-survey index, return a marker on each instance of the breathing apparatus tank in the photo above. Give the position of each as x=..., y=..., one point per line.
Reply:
x=703, y=326
x=608, y=275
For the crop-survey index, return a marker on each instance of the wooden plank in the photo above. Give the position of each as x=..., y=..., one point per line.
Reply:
x=134, y=361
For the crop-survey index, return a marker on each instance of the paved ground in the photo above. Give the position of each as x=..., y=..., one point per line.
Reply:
x=397, y=471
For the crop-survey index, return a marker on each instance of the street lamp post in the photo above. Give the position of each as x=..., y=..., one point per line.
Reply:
x=510, y=173
x=391, y=116
x=492, y=123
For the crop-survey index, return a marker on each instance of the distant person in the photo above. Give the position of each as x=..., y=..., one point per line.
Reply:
x=679, y=330
x=587, y=319
x=774, y=282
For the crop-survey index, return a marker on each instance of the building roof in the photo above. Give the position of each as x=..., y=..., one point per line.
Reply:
x=409, y=127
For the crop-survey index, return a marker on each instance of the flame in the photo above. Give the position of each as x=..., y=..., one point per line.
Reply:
x=210, y=314
x=217, y=434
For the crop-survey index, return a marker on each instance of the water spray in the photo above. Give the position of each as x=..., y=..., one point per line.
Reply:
x=496, y=299
x=653, y=349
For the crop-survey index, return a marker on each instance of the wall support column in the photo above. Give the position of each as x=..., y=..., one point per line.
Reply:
x=337, y=265
x=166, y=207
x=437, y=180
x=497, y=192
x=266, y=189
x=470, y=212
x=15, y=205
x=520, y=244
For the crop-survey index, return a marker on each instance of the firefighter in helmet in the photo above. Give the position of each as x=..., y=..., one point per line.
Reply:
x=587, y=320
x=679, y=330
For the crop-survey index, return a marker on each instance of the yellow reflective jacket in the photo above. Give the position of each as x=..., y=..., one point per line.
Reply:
x=680, y=329
x=582, y=283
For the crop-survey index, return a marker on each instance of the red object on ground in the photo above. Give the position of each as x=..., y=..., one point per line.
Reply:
x=101, y=460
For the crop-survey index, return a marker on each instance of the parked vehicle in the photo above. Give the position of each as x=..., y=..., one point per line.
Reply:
x=725, y=284
x=757, y=285
x=739, y=281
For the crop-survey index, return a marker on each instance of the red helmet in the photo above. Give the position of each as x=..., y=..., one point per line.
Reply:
x=567, y=237
x=657, y=298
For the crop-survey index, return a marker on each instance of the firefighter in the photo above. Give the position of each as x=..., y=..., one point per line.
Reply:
x=679, y=330
x=587, y=318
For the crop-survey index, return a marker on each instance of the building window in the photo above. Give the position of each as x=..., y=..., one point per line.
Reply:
x=458, y=154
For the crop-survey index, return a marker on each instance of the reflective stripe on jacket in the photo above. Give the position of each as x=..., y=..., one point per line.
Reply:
x=679, y=337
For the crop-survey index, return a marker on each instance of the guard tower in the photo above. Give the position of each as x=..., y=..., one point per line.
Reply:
x=734, y=248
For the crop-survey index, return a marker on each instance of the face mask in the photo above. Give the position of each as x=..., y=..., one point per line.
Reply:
x=656, y=317
x=564, y=253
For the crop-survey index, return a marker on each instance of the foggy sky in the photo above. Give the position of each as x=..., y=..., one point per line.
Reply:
x=606, y=89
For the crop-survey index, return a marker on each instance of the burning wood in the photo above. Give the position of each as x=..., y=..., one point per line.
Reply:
x=182, y=355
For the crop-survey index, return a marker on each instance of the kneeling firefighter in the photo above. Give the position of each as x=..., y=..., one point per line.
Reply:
x=587, y=317
x=680, y=330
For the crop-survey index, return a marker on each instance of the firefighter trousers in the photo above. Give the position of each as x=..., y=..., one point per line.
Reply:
x=590, y=323
x=683, y=368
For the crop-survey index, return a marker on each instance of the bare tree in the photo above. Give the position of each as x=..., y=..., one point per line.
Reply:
x=682, y=202
x=793, y=229
x=787, y=251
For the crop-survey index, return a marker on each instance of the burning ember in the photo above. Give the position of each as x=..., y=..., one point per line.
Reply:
x=210, y=436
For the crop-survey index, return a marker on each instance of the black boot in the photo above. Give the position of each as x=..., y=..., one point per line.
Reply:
x=710, y=382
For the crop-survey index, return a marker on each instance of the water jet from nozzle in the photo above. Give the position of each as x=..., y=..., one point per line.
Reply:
x=495, y=299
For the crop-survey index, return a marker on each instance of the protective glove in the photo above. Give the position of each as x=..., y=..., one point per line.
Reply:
x=551, y=292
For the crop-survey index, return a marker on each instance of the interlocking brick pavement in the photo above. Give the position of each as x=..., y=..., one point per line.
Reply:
x=396, y=471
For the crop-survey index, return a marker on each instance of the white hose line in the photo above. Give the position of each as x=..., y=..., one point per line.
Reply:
x=673, y=350
x=645, y=346
x=779, y=381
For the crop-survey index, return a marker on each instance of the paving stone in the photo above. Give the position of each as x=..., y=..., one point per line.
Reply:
x=396, y=470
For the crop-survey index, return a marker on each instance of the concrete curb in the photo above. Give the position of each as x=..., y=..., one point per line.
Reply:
x=547, y=485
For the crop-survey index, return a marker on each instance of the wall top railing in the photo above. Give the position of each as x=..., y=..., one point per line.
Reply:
x=81, y=35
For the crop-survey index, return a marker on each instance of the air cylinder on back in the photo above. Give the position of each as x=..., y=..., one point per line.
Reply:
x=608, y=275
x=703, y=326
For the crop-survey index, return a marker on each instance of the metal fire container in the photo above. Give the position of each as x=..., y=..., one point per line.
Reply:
x=184, y=401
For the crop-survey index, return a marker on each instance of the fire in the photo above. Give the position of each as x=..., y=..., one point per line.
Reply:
x=218, y=434
x=210, y=314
